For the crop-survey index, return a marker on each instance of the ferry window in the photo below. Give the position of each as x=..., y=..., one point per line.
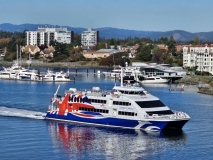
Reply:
x=131, y=92
x=136, y=114
x=126, y=92
x=103, y=101
x=115, y=102
x=150, y=104
x=122, y=91
x=160, y=112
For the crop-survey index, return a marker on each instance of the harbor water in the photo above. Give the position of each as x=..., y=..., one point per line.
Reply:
x=24, y=134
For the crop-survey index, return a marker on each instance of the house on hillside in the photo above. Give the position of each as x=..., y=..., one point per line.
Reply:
x=101, y=53
x=47, y=52
x=32, y=49
x=163, y=46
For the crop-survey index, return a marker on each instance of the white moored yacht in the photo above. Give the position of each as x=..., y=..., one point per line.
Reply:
x=125, y=107
x=151, y=79
x=56, y=76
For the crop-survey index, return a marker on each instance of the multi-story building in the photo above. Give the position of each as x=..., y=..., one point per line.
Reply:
x=89, y=37
x=43, y=36
x=200, y=56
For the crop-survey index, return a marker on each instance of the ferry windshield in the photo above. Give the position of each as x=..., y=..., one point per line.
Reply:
x=150, y=104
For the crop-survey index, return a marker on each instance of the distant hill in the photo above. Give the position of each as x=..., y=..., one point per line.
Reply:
x=108, y=32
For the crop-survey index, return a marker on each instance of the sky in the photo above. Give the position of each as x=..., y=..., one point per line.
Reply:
x=143, y=15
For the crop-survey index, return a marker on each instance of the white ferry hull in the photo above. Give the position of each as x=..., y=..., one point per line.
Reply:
x=98, y=119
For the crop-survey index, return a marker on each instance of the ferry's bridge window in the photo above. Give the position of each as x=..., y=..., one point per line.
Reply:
x=132, y=92
x=150, y=104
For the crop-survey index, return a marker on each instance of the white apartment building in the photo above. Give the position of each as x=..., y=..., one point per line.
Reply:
x=89, y=37
x=43, y=36
x=200, y=56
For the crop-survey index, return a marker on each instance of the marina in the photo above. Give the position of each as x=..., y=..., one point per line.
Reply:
x=24, y=103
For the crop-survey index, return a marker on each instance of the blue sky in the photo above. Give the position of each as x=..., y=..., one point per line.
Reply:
x=146, y=15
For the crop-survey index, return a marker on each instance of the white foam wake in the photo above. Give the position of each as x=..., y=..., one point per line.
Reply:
x=14, y=112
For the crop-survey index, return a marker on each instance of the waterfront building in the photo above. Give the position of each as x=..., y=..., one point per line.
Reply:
x=200, y=56
x=101, y=53
x=89, y=37
x=43, y=36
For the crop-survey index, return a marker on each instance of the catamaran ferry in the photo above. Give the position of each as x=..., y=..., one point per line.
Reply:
x=126, y=107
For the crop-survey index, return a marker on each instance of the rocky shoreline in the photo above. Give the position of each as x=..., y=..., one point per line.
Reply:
x=203, y=88
x=36, y=63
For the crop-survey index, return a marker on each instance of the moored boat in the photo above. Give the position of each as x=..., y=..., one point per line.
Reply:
x=151, y=79
x=56, y=76
x=125, y=107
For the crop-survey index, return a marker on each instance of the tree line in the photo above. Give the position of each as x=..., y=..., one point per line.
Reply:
x=148, y=51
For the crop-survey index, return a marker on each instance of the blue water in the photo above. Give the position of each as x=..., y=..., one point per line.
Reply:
x=25, y=135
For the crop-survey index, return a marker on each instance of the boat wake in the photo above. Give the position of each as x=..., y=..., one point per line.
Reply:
x=14, y=112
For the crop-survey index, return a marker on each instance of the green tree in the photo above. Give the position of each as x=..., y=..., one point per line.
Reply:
x=196, y=41
x=159, y=56
x=171, y=46
x=144, y=53
x=61, y=52
x=77, y=40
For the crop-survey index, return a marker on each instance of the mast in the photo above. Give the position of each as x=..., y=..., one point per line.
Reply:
x=20, y=55
x=17, y=53
x=122, y=76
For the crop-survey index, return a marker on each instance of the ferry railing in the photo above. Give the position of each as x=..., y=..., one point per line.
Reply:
x=176, y=115
x=89, y=92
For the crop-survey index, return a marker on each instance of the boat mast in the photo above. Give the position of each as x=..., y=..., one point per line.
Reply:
x=20, y=55
x=17, y=53
x=121, y=76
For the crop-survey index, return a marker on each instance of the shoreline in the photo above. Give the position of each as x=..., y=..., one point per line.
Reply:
x=79, y=64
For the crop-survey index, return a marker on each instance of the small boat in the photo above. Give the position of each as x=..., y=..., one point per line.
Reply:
x=28, y=74
x=56, y=76
x=126, y=106
x=151, y=79
x=177, y=89
x=7, y=74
